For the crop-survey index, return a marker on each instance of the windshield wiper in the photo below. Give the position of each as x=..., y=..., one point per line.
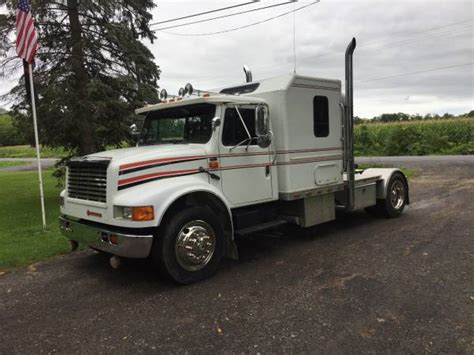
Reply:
x=247, y=140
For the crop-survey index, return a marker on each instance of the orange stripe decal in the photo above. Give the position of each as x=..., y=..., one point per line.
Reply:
x=161, y=160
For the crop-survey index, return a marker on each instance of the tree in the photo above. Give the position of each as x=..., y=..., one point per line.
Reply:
x=91, y=70
x=9, y=135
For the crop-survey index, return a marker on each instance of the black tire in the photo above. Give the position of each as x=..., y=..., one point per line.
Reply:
x=164, y=251
x=386, y=207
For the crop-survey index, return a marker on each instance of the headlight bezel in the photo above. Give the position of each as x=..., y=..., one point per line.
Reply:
x=134, y=213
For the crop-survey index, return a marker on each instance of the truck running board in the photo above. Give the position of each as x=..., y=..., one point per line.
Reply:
x=260, y=227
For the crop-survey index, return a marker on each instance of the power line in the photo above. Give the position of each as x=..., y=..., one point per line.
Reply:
x=416, y=72
x=377, y=45
x=425, y=30
x=338, y=54
x=380, y=44
x=204, y=13
x=224, y=16
x=419, y=36
x=241, y=27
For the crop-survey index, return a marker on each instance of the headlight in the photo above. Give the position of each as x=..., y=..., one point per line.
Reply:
x=141, y=213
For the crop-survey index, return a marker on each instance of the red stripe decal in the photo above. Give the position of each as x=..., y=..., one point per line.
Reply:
x=230, y=167
x=307, y=150
x=228, y=155
x=148, y=176
x=161, y=160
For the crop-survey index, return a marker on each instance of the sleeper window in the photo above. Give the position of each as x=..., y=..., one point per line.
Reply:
x=234, y=131
x=321, y=116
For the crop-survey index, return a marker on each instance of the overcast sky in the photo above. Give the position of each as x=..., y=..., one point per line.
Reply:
x=394, y=38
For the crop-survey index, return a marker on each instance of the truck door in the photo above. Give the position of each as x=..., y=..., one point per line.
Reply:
x=245, y=167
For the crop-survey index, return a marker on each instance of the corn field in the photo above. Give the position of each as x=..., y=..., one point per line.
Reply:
x=430, y=137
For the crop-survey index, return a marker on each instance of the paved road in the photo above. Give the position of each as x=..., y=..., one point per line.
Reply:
x=355, y=285
x=419, y=161
x=31, y=164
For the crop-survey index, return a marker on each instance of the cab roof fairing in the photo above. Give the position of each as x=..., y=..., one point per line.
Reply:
x=213, y=99
x=279, y=83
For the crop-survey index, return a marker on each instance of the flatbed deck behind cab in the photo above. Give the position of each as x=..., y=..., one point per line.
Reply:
x=212, y=165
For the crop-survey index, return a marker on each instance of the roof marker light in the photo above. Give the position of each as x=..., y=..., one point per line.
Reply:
x=163, y=94
x=188, y=89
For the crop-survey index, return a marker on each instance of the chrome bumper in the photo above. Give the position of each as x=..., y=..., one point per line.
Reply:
x=126, y=245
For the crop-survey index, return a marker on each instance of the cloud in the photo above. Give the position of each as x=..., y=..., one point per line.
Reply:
x=394, y=37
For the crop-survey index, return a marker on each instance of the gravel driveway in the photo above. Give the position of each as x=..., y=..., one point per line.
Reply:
x=354, y=285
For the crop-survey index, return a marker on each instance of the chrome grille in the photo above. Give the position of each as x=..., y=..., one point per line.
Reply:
x=87, y=180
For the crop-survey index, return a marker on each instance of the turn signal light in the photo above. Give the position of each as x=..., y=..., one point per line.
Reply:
x=141, y=213
x=213, y=164
x=144, y=213
x=114, y=239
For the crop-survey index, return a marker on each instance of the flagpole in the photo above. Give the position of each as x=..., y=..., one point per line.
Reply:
x=35, y=123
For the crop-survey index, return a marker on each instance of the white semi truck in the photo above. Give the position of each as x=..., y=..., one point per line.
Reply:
x=212, y=165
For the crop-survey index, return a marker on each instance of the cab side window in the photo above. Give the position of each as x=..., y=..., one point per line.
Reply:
x=234, y=131
x=321, y=116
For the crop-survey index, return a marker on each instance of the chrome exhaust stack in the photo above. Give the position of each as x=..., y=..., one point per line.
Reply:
x=248, y=74
x=349, y=164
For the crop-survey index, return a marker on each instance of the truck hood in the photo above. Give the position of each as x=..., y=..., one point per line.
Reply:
x=152, y=152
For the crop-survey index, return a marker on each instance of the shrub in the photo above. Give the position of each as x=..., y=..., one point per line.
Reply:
x=9, y=134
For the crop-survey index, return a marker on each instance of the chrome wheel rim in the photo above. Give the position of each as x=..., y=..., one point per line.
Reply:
x=195, y=245
x=397, y=194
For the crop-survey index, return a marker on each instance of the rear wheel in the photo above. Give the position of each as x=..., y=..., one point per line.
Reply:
x=190, y=246
x=395, y=200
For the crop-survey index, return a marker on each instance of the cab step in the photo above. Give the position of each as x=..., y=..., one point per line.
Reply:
x=260, y=227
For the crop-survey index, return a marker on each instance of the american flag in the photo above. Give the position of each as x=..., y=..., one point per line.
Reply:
x=26, y=40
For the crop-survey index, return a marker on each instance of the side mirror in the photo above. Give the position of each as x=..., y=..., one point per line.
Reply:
x=216, y=122
x=133, y=129
x=262, y=124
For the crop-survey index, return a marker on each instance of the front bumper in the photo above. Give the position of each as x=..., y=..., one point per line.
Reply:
x=126, y=244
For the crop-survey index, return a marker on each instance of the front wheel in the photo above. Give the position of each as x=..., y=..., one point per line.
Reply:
x=190, y=246
x=395, y=200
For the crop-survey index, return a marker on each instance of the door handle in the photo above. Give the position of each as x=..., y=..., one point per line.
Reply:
x=267, y=170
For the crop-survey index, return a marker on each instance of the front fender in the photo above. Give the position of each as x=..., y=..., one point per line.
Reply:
x=162, y=193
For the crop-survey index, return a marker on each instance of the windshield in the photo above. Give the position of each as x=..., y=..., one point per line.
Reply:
x=184, y=124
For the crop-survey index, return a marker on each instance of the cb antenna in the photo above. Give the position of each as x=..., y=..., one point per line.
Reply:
x=294, y=37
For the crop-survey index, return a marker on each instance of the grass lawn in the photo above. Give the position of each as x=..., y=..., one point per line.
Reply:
x=22, y=239
x=9, y=163
x=25, y=151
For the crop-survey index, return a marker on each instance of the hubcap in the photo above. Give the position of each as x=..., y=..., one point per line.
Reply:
x=397, y=194
x=195, y=245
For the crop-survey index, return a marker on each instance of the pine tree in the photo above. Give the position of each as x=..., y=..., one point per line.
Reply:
x=91, y=70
